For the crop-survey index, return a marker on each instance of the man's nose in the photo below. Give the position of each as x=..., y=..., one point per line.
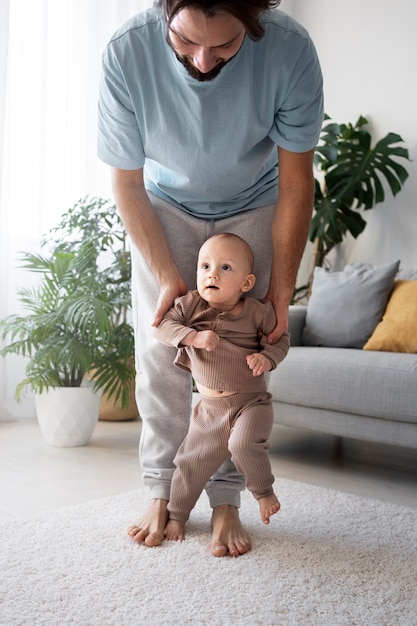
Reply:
x=204, y=59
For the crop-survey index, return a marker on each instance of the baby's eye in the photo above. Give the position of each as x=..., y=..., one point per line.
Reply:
x=226, y=267
x=204, y=266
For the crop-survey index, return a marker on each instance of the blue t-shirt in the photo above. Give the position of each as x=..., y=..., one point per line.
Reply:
x=209, y=147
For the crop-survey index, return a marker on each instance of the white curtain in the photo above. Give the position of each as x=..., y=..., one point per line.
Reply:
x=50, y=54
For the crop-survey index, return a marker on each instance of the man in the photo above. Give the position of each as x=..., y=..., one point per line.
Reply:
x=199, y=102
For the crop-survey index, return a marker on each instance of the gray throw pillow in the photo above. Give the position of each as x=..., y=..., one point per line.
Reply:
x=345, y=307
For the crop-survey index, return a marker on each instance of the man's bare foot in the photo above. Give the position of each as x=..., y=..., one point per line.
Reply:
x=229, y=536
x=268, y=506
x=174, y=530
x=149, y=529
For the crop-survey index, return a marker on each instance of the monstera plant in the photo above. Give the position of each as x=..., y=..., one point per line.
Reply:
x=351, y=174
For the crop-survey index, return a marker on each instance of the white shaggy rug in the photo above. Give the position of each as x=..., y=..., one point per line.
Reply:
x=327, y=558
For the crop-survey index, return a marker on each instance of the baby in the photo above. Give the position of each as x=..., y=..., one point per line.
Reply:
x=221, y=337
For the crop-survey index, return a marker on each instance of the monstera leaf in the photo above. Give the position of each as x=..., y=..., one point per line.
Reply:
x=352, y=175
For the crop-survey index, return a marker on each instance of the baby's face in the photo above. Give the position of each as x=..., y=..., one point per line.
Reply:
x=223, y=272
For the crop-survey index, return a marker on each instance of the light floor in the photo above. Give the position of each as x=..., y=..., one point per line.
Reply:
x=35, y=477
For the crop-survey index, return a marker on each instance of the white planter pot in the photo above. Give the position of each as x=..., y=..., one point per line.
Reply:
x=67, y=415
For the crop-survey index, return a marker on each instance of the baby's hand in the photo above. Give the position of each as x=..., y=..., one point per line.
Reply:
x=206, y=340
x=258, y=363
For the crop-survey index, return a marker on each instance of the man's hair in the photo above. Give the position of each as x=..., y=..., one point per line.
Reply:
x=246, y=11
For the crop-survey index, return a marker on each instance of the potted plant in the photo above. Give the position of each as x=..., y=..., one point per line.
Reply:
x=350, y=177
x=96, y=220
x=74, y=325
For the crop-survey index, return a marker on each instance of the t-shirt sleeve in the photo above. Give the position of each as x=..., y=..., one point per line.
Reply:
x=119, y=143
x=299, y=118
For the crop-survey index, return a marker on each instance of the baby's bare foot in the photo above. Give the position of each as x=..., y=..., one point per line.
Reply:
x=149, y=529
x=229, y=536
x=174, y=530
x=268, y=506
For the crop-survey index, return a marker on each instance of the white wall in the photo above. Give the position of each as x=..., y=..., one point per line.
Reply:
x=368, y=51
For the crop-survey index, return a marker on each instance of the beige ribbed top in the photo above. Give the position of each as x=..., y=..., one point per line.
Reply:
x=224, y=368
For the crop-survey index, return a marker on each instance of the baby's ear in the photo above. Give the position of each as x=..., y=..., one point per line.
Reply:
x=249, y=282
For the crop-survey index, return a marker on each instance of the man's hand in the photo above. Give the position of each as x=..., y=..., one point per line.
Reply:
x=280, y=328
x=258, y=363
x=281, y=314
x=166, y=299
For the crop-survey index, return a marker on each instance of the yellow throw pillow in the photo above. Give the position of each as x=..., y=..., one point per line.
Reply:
x=397, y=331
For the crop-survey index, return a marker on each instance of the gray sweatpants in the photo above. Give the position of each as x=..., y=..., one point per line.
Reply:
x=163, y=391
x=235, y=427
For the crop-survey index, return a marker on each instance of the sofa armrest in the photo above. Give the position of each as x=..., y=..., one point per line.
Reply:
x=296, y=319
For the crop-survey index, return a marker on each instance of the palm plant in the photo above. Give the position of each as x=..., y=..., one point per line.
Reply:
x=351, y=175
x=96, y=220
x=75, y=321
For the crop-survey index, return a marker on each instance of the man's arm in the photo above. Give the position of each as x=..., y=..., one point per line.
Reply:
x=146, y=232
x=289, y=230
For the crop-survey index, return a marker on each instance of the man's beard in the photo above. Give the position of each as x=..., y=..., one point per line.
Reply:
x=195, y=73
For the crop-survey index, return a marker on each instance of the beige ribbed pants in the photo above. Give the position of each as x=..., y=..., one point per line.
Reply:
x=235, y=427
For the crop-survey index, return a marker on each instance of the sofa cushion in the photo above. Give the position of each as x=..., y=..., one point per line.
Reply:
x=374, y=384
x=346, y=306
x=397, y=332
x=296, y=320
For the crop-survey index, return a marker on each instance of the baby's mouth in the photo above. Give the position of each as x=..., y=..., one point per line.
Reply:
x=212, y=287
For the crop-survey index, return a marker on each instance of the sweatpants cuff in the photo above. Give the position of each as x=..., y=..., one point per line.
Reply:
x=218, y=497
x=159, y=492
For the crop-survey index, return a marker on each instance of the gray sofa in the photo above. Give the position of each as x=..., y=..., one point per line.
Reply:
x=368, y=394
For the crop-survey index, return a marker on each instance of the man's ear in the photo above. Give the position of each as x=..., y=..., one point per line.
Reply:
x=249, y=282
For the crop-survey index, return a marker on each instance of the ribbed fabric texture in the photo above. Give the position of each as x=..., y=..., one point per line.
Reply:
x=236, y=427
x=225, y=368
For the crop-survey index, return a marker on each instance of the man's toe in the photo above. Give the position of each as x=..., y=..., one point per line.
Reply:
x=218, y=548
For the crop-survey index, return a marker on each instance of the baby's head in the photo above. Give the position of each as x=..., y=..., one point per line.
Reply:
x=225, y=269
